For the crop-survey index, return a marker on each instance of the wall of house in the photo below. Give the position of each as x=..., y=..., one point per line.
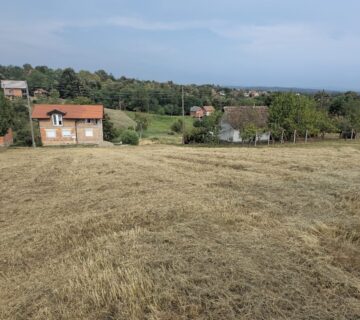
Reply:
x=7, y=140
x=229, y=134
x=78, y=130
x=197, y=114
x=97, y=131
x=59, y=139
x=13, y=93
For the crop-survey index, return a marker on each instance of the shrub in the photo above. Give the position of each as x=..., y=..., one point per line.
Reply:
x=177, y=126
x=110, y=133
x=130, y=137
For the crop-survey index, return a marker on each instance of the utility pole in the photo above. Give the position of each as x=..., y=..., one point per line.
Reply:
x=30, y=119
x=183, y=114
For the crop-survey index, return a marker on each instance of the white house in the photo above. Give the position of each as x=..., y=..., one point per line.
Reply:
x=235, y=120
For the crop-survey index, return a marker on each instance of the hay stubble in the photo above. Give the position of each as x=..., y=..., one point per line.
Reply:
x=161, y=232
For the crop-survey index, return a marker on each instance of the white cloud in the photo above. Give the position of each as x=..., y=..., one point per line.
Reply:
x=146, y=25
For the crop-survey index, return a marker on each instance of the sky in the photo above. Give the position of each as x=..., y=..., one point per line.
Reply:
x=287, y=43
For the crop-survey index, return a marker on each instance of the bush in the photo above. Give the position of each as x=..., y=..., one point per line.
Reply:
x=110, y=133
x=130, y=137
x=177, y=126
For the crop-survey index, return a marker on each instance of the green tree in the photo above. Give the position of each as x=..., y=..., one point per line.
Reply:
x=142, y=122
x=291, y=112
x=6, y=115
x=177, y=126
x=82, y=100
x=69, y=84
x=110, y=132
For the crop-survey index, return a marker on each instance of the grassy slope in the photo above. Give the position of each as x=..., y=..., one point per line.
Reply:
x=120, y=119
x=165, y=232
x=160, y=126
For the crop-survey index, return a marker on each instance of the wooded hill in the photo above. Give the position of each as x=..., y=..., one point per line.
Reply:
x=312, y=113
x=124, y=93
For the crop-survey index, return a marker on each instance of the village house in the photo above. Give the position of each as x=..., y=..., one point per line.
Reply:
x=208, y=110
x=39, y=93
x=200, y=112
x=236, y=119
x=69, y=124
x=7, y=139
x=196, y=112
x=13, y=89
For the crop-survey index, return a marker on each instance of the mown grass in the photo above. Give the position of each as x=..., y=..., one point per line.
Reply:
x=165, y=232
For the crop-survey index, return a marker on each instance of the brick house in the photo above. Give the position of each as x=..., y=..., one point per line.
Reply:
x=69, y=124
x=7, y=139
x=13, y=89
x=200, y=112
x=208, y=110
x=196, y=112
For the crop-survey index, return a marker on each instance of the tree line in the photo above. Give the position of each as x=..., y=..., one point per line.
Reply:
x=122, y=93
x=313, y=114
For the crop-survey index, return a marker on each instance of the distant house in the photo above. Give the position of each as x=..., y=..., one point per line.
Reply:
x=13, y=89
x=200, y=112
x=236, y=119
x=7, y=140
x=196, y=112
x=208, y=110
x=39, y=93
x=69, y=124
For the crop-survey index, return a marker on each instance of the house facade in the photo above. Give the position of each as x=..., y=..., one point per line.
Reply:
x=13, y=93
x=13, y=89
x=236, y=119
x=196, y=112
x=69, y=124
x=7, y=140
x=39, y=93
x=208, y=110
x=200, y=112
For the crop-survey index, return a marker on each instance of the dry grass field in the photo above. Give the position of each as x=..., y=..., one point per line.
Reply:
x=167, y=232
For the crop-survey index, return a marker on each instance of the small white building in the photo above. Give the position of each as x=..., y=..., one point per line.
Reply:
x=235, y=120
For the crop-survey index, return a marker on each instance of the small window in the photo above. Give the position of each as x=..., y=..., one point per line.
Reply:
x=89, y=133
x=88, y=120
x=57, y=119
x=50, y=133
x=66, y=133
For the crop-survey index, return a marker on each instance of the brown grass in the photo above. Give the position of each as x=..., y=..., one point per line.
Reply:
x=165, y=232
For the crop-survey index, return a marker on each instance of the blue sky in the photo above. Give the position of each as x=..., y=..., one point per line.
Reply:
x=291, y=43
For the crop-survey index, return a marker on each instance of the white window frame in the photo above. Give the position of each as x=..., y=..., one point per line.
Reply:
x=89, y=132
x=69, y=135
x=57, y=119
x=52, y=135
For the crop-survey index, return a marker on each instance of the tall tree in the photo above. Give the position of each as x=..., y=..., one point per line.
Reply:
x=5, y=115
x=69, y=84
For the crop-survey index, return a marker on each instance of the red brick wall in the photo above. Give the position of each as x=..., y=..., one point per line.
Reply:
x=7, y=140
x=77, y=130
x=197, y=114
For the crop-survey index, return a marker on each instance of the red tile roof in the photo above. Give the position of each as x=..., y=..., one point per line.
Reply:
x=71, y=111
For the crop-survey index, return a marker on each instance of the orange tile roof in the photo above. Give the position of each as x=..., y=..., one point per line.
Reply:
x=71, y=111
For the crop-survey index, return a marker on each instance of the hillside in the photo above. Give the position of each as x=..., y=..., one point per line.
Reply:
x=160, y=125
x=159, y=128
x=169, y=232
x=120, y=119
